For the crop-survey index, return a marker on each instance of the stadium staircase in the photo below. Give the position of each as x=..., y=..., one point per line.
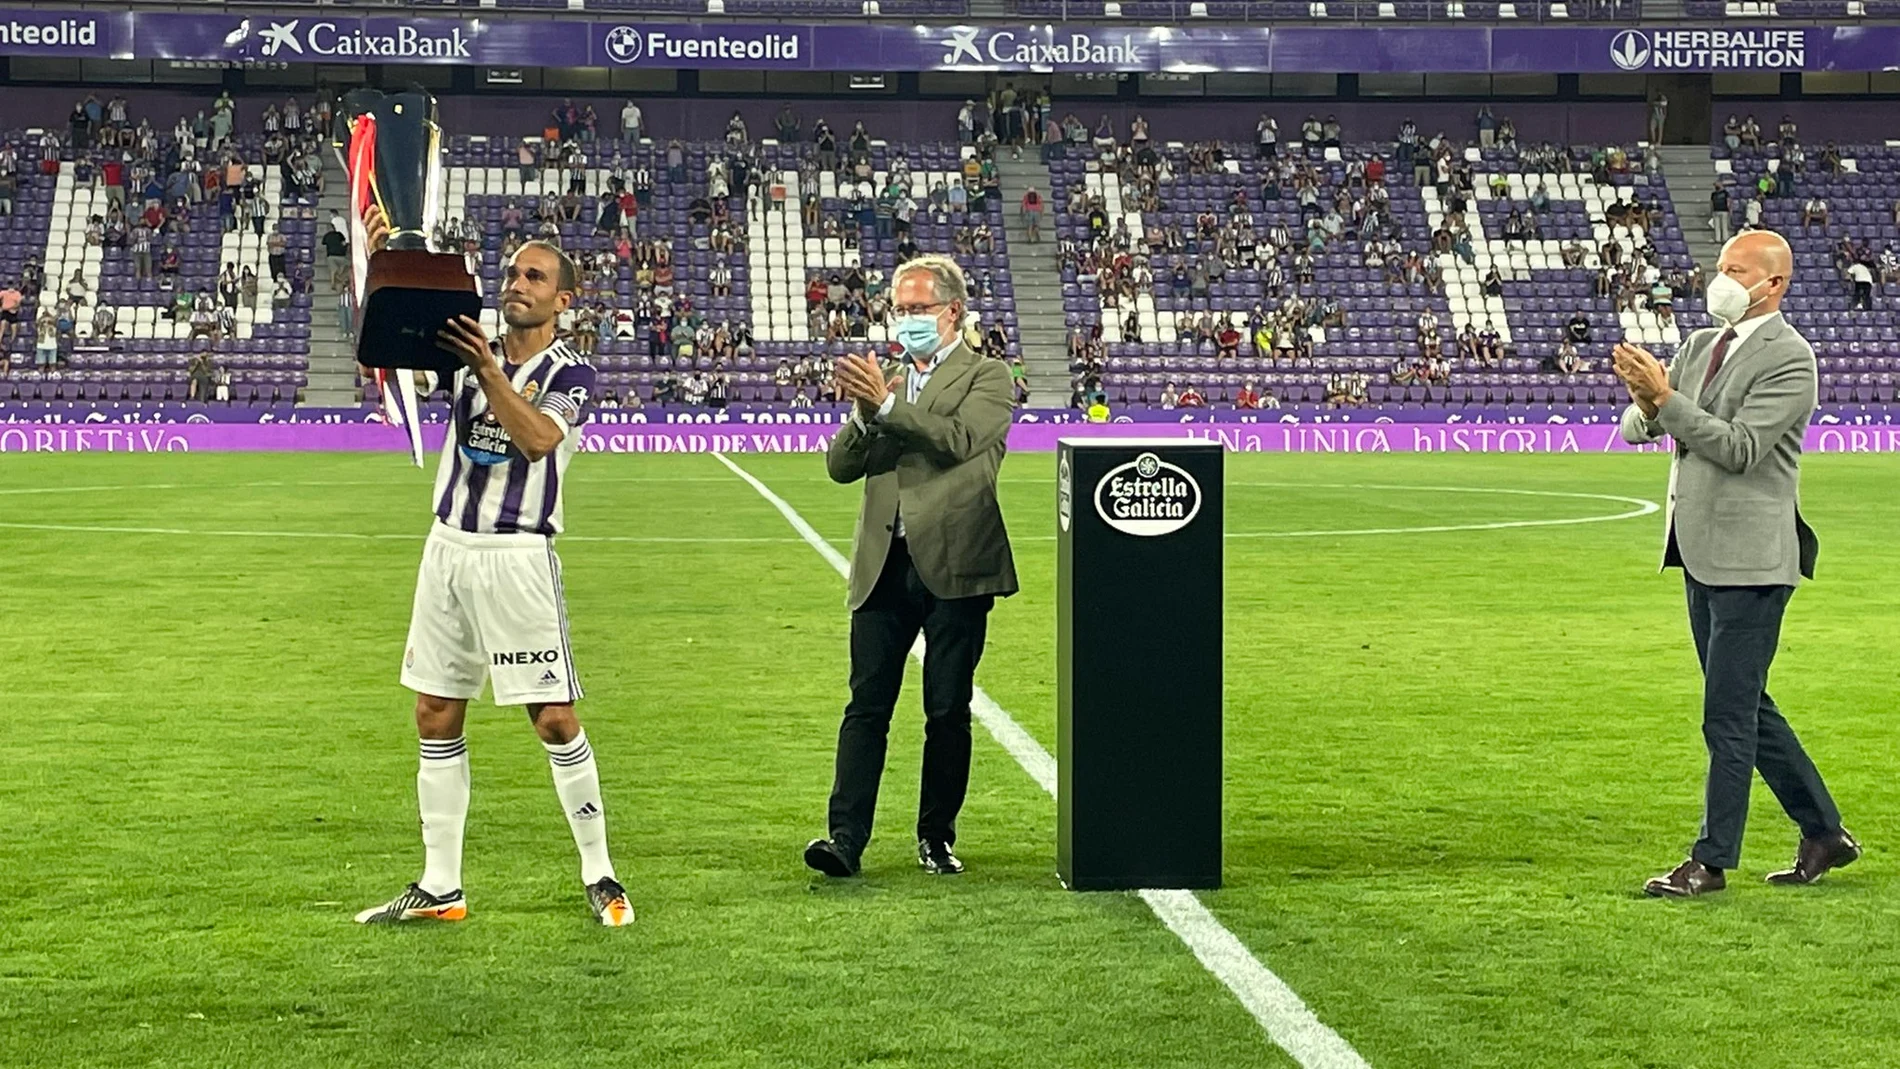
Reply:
x=332, y=357
x=1691, y=175
x=1038, y=281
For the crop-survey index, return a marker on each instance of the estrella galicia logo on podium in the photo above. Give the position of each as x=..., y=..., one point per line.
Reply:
x=1147, y=497
x=1065, y=498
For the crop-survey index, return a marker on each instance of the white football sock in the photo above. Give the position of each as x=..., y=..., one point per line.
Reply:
x=442, y=799
x=577, y=783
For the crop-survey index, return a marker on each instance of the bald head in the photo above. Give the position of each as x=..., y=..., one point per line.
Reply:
x=1763, y=263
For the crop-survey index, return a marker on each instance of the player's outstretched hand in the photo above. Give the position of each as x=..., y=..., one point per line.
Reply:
x=466, y=339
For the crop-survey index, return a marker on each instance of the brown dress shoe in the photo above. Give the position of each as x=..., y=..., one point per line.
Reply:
x=1815, y=856
x=1686, y=880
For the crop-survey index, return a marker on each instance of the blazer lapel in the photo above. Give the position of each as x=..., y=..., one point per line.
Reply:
x=959, y=363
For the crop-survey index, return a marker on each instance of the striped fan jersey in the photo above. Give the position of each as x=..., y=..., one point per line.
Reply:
x=484, y=485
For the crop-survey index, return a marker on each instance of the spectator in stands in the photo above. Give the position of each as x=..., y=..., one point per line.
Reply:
x=201, y=377
x=1490, y=345
x=168, y=264
x=1862, y=279
x=1814, y=212
x=46, y=342
x=10, y=300
x=1170, y=397
x=1719, y=213
x=76, y=289
x=1311, y=131
x=1540, y=199
x=587, y=328
x=1578, y=329
x=204, y=318
x=1032, y=209
x=9, y=189
x=66, y=320
x=1487, y=127
x=1889, y=267
x=1658, y=116
x=228, y=285
x=1567, y=361
x=1227, y=339
x=1786, y=131
x=1732, y=132
x=1751, y=132
x=1752, y=212
x=1330, y=132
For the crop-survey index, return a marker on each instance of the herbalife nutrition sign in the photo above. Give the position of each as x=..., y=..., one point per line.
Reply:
x=1710, y=50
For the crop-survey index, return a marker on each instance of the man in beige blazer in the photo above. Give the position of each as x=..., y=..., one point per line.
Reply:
x=931, y=554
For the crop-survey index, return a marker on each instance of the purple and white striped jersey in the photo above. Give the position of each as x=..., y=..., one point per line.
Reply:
x=484, y=485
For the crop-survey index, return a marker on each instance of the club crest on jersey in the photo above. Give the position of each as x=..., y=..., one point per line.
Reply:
x=528, y=391
x=487, y=441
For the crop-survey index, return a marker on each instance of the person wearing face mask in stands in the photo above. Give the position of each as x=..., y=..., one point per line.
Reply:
x=1737, y=400
x=931, y=554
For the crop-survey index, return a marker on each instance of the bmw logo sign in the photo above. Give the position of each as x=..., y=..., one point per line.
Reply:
x=1630, y=50
x=623, y=44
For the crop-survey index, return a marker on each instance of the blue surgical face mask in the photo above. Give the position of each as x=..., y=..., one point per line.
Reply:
x=918, y=334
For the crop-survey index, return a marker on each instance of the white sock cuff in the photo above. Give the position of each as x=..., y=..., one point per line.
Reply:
x=571, y=753
x=445, y=749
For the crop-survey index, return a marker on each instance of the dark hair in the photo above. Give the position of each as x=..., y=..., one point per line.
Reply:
x=570, y=276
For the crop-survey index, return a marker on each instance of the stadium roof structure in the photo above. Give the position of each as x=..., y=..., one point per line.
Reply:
x=235, y=36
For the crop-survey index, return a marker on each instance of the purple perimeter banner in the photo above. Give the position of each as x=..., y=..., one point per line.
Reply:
x=317, y=38
x=813, y=438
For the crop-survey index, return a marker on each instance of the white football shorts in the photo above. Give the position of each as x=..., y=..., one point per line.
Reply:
x=490, y=605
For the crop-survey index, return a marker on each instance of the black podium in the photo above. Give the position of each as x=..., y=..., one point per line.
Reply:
x=1139, y=656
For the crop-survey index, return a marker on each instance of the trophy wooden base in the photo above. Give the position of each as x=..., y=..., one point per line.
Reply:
x=408, y=297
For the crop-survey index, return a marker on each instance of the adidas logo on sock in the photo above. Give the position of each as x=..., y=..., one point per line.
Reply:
x=549, y=679
x=588, y=811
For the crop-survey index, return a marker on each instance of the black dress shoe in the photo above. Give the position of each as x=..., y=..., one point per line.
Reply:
x=1686, y=880
x=1815, y=856
x=830, y=858
x=936, y=858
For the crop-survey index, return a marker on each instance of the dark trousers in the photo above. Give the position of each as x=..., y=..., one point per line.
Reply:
x=1737, y=629
x=882, y=631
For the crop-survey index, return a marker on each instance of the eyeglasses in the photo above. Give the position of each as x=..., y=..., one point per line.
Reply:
x=919, y=309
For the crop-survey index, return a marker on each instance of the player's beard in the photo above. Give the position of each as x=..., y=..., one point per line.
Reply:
x=524, y=316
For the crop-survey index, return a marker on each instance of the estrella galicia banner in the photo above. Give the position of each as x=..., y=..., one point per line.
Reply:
x=313, y=37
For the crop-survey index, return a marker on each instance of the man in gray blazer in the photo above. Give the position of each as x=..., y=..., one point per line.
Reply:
x=1736, y=401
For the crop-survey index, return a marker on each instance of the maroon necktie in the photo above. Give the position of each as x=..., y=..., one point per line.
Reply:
x=1715, y=359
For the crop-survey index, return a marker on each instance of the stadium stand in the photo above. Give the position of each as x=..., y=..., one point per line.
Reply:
x=1856, y=189
x=665, y=335
x=1358, y=315
x=685, y=309
x=149, y=255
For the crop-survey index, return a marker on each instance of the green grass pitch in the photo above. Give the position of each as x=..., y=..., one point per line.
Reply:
x=1452, y=759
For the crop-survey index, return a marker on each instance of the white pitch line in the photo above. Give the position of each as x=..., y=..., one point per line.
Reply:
x=1288, y=1022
